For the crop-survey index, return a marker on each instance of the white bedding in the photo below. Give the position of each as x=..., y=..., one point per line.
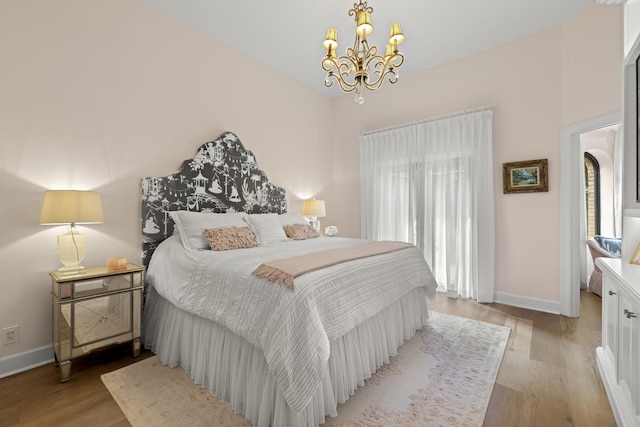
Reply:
x=292, y=327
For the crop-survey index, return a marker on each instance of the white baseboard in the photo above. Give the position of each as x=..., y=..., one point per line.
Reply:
x=23, y=361
x=537, y=304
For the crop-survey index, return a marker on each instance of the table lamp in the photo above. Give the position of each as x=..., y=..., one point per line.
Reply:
x=71, y=207
x=314, y=208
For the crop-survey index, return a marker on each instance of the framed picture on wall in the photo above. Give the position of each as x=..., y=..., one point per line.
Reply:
x=635, y=259
x=529, y=176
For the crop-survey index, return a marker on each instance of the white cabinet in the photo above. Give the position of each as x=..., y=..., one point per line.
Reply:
x=610, y=315
x=628, y=357
x=619, y=357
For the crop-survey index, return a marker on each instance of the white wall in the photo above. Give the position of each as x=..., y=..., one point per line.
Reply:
x=96, y=95
x=631, y=24
x=537, y=84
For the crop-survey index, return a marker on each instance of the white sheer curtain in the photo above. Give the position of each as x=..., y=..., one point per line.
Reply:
x=431, y=184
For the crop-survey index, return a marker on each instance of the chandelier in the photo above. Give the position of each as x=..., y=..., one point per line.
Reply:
x=362, y=67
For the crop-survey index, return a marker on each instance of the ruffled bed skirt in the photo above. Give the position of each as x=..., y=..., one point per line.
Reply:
x=237, y=373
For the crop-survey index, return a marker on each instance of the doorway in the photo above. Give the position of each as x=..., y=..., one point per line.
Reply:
x=602, y=187
x=573, y=253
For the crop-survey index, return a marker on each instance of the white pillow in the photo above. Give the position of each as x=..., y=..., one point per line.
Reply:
x=292, y=218
x=267, y=228
x=191, y=226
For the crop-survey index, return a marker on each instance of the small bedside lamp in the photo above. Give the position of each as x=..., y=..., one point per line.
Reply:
x=315, y=209
x=71, y=207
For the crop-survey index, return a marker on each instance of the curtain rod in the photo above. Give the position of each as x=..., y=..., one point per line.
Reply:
x=431, y=119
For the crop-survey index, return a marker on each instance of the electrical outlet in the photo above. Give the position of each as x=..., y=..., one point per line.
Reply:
x=11, y=335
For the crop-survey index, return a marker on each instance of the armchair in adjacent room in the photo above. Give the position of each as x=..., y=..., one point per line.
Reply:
x=607, y=247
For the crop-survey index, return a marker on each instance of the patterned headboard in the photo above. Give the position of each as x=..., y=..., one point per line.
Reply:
x=223, y=176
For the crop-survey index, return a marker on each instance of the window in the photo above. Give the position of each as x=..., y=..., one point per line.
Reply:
x=592, y=194
x=431, y=184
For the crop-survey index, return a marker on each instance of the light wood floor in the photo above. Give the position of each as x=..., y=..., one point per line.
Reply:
x=548, y=375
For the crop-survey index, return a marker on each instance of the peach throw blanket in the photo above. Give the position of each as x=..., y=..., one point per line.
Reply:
x=286, y=269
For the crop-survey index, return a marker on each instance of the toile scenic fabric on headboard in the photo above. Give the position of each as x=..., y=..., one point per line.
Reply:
x=223, y=176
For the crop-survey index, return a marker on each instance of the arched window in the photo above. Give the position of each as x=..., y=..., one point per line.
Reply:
x=592, y=194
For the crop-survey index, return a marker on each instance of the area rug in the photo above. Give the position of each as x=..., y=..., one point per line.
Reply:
x=443, y=376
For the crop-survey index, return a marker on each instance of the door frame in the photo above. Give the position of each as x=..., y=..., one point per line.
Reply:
x=572, y=240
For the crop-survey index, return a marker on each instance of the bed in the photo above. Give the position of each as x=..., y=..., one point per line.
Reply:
x=283, y=352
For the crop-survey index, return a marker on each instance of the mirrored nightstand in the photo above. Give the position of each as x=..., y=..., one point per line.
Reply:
x=93, y=310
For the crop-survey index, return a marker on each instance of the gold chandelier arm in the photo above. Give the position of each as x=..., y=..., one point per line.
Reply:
x=338, y=69
x=384, y=67
x=370, y=55
x=376, y=84
x=396, y=60
x=344, y=85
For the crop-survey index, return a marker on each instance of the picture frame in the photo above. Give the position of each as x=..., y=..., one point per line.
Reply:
x=635, y=259
x=529, y=176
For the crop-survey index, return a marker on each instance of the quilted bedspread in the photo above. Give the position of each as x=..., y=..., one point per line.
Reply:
x=293, y=327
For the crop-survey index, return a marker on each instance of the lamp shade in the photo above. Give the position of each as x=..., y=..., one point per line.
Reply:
x=314, y=208
x=331, y=41
x=395, y=35
x=71, y=207
x=364, y=27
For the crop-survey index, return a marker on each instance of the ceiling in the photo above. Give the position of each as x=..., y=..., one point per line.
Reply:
x=287, y=35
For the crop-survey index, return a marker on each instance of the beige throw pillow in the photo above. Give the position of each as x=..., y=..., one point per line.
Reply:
x=225, y=239
x=300, y=231
x=189, y=225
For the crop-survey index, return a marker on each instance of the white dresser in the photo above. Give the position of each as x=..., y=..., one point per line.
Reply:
x=619, y=357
